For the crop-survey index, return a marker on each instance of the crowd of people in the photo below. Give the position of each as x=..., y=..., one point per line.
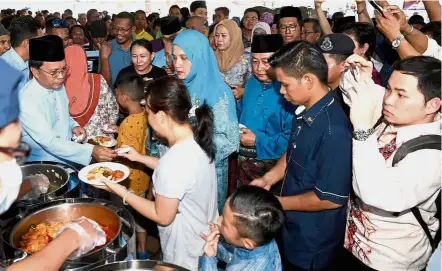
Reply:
x=270, y=142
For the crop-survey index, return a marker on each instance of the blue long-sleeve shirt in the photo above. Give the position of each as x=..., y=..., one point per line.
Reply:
x=160, y=59
x=264, y=258
x=13, y=59
x=47, y=126
x=265, y=112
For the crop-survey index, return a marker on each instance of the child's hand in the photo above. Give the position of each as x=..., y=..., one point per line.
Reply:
x=211, y=246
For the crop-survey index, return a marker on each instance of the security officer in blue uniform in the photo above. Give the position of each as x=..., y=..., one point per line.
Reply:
x=316, y=168
x=336, y=49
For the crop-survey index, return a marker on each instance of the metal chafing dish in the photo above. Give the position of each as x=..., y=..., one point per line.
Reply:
x=69, y=187
x=139, y=265
x=57, y=176
x=62, y=182
x=106, y=213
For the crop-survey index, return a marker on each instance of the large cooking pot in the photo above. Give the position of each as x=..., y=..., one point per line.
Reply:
x=118, y=249
x=139, y=265
x=22, y=207
x=58, y=178
x=67, y=212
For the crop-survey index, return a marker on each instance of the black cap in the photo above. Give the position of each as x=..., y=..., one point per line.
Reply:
x=336, y=44
x=47, y=49
x=3, y=30
x=266, y=43
x=197, y=4
x=98, y=29
x=289, y=11
x=170, y=25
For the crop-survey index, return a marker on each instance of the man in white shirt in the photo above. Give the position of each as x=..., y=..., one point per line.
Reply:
x=382, y=233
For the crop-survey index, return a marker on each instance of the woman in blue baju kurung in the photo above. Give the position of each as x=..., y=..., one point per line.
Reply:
x=205, y=84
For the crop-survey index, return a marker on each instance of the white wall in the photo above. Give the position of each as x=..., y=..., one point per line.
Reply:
x=236, y=7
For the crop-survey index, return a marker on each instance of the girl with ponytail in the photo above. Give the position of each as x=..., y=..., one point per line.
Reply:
x=184, y=179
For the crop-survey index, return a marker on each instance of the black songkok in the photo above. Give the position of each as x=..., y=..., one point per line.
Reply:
x=170, y=25
x=197, y=4
x=293, y=12
x=266, y=43
x=47, y=49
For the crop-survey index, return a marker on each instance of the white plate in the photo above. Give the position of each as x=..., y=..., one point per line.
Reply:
x=106, y=129
x=110, y=144
x=123, y=150
x=113, y=166
x=241, y=126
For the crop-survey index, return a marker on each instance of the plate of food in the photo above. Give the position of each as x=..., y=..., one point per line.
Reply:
x=101, y=140
x=108, y=171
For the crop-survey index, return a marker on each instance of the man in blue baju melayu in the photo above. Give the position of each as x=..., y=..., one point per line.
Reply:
x=44, y=105
x=264, y=112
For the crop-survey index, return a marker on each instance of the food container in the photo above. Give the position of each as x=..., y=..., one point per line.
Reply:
x=21, y=207
x=59, y=176
x=139, y=265
x=114, y=216
x=68, y=212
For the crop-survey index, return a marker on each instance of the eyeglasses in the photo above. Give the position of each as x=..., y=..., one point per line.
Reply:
x=60, y=23
x=291, y=27
x=306, y=33
x=5, y=42
x=122, y=30
x=56, y=73
x=19, y=154
x=251, y=19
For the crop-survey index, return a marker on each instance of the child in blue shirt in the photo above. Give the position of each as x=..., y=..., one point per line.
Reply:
x=251, y=220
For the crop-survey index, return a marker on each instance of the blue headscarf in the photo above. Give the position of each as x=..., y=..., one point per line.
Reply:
x=204, y=81
x=205, y=84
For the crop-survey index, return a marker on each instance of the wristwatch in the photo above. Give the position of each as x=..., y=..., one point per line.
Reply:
x=397, y=42
x=362, y=135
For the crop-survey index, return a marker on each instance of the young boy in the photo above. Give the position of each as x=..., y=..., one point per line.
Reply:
x=251, y=220
x=132, y=132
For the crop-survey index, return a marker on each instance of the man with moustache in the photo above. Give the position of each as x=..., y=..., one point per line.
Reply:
x=116, y=55
x=267, y=117
x=44, y=117
x=290, y=24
